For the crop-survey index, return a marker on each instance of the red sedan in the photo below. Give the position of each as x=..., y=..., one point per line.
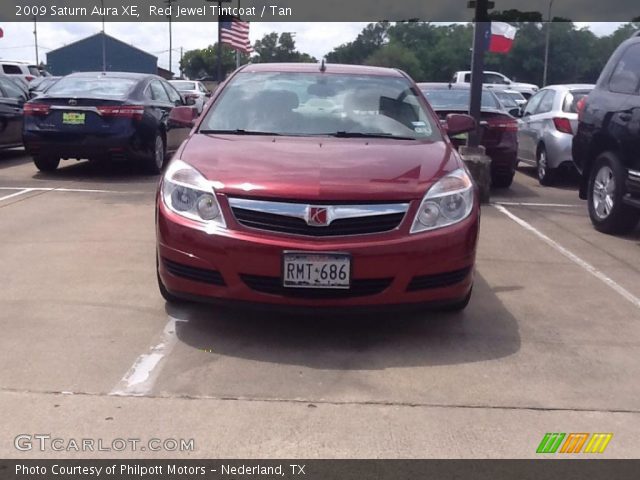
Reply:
x=318, y=186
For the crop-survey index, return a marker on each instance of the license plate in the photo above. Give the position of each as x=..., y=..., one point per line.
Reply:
x=73, y=118
x=316, y=270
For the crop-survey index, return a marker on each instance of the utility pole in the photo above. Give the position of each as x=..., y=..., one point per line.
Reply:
x=168, y=3
x=546, y=46
x=181, y=69
x=104, y=42
x=482, y=28
x=35, y=35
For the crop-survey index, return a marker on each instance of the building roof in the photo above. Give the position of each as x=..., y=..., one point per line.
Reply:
x=100, y=34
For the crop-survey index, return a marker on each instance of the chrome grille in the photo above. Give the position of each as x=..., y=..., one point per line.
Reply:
x=342, y=219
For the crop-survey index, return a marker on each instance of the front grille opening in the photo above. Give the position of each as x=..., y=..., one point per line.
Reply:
x=202, y=275
x=273, y=286
x=297, y=226
x=439, y=280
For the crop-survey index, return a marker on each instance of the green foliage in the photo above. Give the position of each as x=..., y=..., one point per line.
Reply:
x=202, y=62
x=273, y=48
x=430, y=52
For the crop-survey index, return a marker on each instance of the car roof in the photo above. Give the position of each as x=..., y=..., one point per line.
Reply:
x=315, y=68
x=447, y=86
x=130, y=75
x=570, y=86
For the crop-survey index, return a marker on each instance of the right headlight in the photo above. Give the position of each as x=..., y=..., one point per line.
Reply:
x=448, y=201
x=186, y=192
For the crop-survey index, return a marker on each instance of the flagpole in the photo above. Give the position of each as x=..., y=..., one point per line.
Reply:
x=238, y=51
x=219, y=59
x=35, y=34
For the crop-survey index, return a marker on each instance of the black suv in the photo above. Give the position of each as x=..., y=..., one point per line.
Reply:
x=606, y=148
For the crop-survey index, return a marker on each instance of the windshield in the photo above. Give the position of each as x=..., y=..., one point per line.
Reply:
x=101, y=86
x=182, y=86
x=570, y=104
x=456, y=99
x=507, y=99
x=320, y=104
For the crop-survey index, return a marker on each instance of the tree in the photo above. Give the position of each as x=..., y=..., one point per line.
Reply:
x=279, y=48
x=394, y=55
x=368, y=41
x=203, y=62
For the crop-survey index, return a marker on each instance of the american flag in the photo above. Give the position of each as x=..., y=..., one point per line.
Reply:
x=235, y=32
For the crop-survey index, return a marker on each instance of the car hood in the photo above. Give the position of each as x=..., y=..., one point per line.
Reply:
x=326, y=169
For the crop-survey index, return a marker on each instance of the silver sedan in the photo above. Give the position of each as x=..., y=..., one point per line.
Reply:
x=547, y=126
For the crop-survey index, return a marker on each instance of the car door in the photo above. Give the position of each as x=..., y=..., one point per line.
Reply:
x=624, y=123
x=178, y=133
x=162, y=105
x=11, y=113
x=539, y=120
x=525, y=135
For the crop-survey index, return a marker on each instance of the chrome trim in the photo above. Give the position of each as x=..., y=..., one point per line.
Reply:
x=634, y=173
x=334, y=212
x=74, y=109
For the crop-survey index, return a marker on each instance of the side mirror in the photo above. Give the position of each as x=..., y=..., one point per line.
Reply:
x=516, y=112
x=457, y=123
x=183, y=116
x=208, y=94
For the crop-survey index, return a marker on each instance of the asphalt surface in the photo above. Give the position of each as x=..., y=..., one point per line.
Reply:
x=549, y=343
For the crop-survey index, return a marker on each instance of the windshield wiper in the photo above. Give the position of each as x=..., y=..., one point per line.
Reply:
x=240, y=131
x=344, y=134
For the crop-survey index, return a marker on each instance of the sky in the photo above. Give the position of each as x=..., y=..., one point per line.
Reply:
x=314, y=38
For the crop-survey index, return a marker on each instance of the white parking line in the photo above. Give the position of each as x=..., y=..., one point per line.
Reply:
x=142, y=375
x=573, y=257
x=81, y=190
x=531, y=204
x=22, y=191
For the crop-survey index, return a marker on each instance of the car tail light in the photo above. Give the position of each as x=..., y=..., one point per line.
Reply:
x=563, y=125
x=36, y=109
x=28, y=78
x=580, y=106
x=124, y=111
x=503, y=124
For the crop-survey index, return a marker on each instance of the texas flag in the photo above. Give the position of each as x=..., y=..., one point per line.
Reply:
x=502, y=35
x=1, y=33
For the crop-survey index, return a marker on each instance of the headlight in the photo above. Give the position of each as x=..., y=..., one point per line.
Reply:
x=186, y=192
x=448, y=201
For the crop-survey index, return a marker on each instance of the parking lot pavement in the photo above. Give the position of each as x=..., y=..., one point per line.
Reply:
x=549, y=342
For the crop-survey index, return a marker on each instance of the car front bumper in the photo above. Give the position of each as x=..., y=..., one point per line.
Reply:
x=244, y=265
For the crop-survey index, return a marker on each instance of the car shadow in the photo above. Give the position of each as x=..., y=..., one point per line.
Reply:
x=98, y=172
x=485, y=330
x=13, y=157
x=566, y=178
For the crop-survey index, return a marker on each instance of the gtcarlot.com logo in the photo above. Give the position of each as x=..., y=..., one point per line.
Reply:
x=573, y=442
x=44, y=442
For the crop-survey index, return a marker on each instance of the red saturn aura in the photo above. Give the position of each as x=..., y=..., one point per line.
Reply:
x=318, y=186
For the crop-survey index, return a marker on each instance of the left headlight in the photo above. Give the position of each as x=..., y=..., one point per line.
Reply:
x=186, y=192
x=448, y=201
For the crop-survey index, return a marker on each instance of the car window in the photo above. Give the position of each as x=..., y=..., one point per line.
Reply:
x=467, y=78
x=202, y=88
x=626, y=76
x=492, y=78
x=183, y=85
x=11, y=89
x=533, y=103
x=11, y=69
x=297, y=103
x=174, y=96
x=506, y=99
x=571, y=99
x=546, y=104
x=97, y=86
x=457, y=99
x=158, y=93
x=33, y=70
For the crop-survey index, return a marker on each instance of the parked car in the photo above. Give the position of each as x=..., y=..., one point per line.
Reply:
x=510, y=97
x=23, y=70
x=496, y=80
x=105, y=116
x=192, y=89
x=12, y=99
x=498, y=128
x=545, y=132
x=366, y=203
x=606, y=146
x=40, y=85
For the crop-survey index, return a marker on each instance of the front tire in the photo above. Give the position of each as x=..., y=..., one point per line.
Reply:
x=46, y=163
x=546, y=174
x=502, y=180
x=606, y=189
